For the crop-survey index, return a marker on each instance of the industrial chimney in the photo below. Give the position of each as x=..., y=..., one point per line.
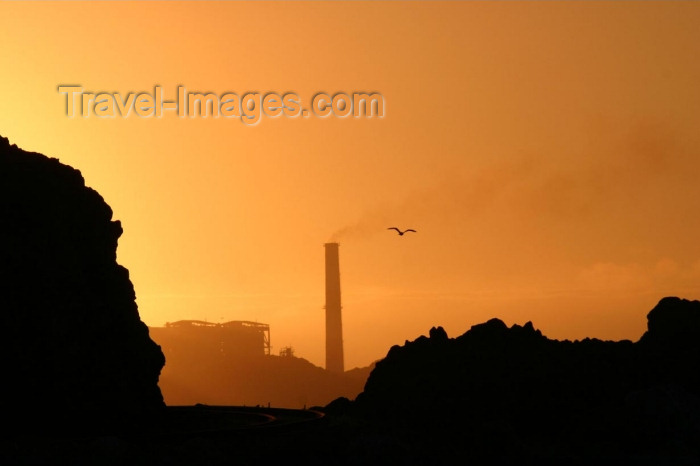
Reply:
x=334, y=321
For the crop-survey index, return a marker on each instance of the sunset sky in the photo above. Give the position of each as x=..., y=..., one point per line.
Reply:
x=547, y=153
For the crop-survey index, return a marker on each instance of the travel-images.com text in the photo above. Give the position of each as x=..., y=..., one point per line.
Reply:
x=249, y=107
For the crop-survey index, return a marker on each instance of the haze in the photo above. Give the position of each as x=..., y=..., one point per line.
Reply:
x=545, y=152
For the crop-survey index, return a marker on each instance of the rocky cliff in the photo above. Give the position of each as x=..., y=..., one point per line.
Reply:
x=73, y=345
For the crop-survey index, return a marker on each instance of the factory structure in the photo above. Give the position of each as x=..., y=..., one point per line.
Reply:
x=192, y=339
x=195, y=341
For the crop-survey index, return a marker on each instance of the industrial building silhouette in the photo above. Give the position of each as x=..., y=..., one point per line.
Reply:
x=196, y=339
x=191, y=340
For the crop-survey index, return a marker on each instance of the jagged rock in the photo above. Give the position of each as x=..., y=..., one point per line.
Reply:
x=673, y=320
x=590, y=393
x=438, y=333
x=74, y=347
x=670, y=349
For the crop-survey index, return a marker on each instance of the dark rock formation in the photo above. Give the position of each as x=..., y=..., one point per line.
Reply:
x=498, y=392
x=73, y=345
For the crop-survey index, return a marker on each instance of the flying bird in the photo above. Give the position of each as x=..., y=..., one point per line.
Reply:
x=401, y=232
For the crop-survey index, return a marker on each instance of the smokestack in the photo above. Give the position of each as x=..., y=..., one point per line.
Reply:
x=334, y=322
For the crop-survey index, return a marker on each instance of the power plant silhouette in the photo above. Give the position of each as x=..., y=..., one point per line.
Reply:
x=334, y=321
x=194, y=339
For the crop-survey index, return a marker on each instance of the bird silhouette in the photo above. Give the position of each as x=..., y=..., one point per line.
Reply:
x=401, y=232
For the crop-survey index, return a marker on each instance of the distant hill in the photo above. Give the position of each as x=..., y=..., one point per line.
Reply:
x=195, y=377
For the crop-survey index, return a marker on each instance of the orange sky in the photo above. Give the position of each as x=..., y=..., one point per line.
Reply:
x=546, y=152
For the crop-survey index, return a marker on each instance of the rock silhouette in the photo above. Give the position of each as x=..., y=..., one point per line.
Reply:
x=500, y=393
x=73, y=346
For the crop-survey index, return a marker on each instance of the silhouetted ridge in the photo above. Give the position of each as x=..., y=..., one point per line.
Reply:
x=517, y=387
x=74, y=347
